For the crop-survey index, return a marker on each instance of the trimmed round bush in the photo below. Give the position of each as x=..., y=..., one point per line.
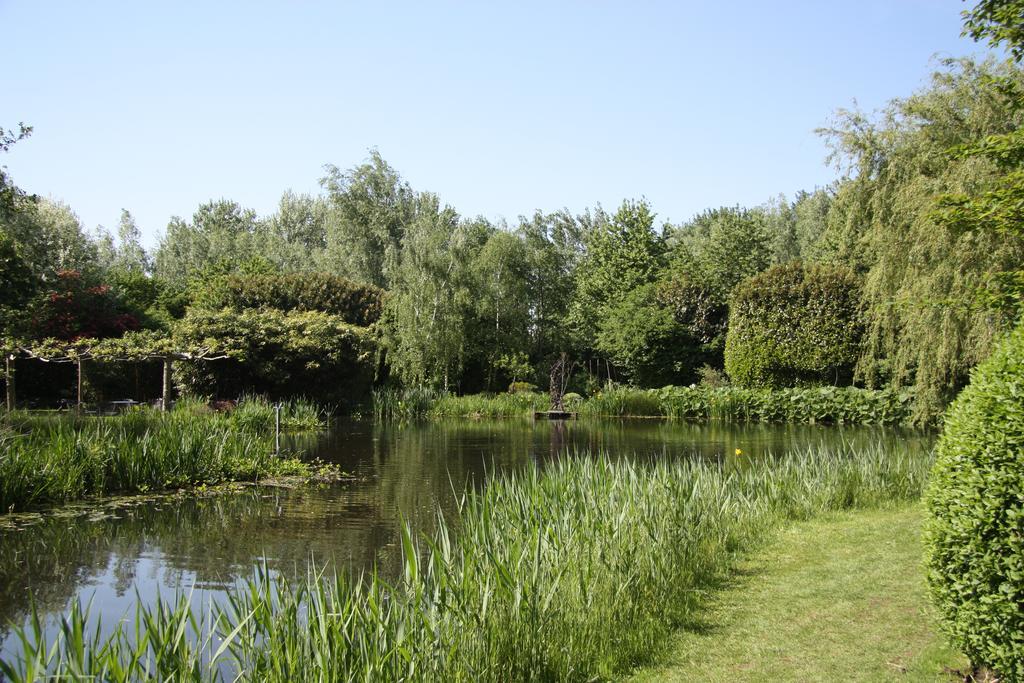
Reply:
x=975, y=529
x=794, y=324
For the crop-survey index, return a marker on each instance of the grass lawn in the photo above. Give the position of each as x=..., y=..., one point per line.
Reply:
x=841, y=598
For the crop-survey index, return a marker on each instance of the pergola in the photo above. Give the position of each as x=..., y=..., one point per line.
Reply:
x=134, y=347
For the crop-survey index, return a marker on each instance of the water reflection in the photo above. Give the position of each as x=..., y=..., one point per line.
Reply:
x=117, y=554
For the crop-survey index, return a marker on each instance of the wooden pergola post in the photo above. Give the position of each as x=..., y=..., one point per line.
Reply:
x=9, y=375
x=78, y=406
x=165, y=401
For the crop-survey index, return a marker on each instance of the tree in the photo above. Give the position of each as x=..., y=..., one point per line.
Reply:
x=425, y=311
x=709, y=256
x=643, y=339
x=296, y=235
x=278, y=353
x=554, y=248
x=76, y=308
x=502, y=308
x=131, y=255
x=794, y=324
x=622, y=254
x=221, y=232
x=16, y=282
x=926, y=324
x=370, y=210
x=998, y=21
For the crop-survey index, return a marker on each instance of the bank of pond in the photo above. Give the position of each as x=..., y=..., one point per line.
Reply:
x=591, y=540
x=571, y=571
x=802, y=405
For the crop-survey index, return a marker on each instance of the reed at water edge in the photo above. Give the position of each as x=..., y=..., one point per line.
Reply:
x=49, y=458
x=574, y=572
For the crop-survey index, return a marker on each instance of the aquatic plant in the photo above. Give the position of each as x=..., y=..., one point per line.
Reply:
x=256, y=413
x=575, y=572
x=47, y=459
x=803, y=405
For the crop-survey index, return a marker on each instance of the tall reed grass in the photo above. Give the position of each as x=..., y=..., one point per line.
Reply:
x=53, y=459
x=255, y=413
x=402, y=404
x=574, y=573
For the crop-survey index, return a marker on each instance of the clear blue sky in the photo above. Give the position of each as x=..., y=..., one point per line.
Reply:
x=500, y=108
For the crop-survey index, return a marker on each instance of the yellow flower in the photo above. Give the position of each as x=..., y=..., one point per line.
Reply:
x=739, y=452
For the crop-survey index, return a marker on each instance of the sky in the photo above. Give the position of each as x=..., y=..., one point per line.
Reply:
x=499, y=108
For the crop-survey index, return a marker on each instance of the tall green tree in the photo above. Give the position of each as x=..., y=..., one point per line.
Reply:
x=925, y=324
x=622, y=253
x=220, y=232
x=554, y=249
x=370, y=210
x=708, y=257
x=425, y=313
x=499, y=275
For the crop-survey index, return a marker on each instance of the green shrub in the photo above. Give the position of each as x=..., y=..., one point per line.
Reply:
x=277, y=354
x=521, y=388
x=794, y=324
x=975, y=532
x=356, y=304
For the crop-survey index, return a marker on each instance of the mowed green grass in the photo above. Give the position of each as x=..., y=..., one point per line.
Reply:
x=839, y=598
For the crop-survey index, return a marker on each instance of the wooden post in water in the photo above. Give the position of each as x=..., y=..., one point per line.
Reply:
x=165, y=401
x=9, y=374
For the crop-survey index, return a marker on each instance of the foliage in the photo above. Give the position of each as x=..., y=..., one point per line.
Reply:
x=409, y=403
x=76, y=308
x=554, y=247
x=999, y=21
x=16, y=282
x=814, y=405
x=257, y=414
x=425, y=324
x=50, y=238
x=976, y=506
x=295, y=236
x=840, y=405
x=277, y=353
x=560, y=574
x=924, y=324
x=707, y=258
x=221, y=232
x=370, y=208
x=794, y=324
x=356, y=304
x=498, y=275
x=644, y=339
x=507, y=404
x=623, y=252
x=49, y=460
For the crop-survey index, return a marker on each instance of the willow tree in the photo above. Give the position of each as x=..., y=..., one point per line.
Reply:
x=925, y=323
x=425, y=315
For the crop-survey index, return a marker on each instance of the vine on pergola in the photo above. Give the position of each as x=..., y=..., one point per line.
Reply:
x=133, y=347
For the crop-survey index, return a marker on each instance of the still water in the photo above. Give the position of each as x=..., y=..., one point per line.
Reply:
x=118, y=553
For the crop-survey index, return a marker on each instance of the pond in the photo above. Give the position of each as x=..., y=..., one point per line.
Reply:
x=122, y=552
